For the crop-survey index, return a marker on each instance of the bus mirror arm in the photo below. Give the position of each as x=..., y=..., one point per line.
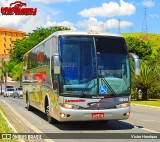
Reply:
x=136, y=62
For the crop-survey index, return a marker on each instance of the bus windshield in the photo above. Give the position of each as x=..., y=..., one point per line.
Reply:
x=94, y=65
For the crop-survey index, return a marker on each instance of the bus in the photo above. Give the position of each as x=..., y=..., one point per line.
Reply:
x=79, y=76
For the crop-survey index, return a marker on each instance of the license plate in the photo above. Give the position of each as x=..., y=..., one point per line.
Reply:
x=97, y=115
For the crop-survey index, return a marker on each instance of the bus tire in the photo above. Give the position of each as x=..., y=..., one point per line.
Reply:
x=47, y=111
x=49, y=118
x=29, y=107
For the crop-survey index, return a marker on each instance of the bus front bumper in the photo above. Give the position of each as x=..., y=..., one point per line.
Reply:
x=93, y=115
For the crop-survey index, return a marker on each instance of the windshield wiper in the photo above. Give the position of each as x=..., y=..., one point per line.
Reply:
x=103, y=79
x=89, y=81
x=107, y=84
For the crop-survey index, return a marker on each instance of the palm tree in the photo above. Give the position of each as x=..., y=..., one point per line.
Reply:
x=1, y=80
x=145, y=80
x=4, y=70
x=16, y=72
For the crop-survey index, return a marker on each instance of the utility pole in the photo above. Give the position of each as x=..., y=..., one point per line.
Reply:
x=144, y=34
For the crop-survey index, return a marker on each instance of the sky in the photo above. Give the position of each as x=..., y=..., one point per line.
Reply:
x=124, y=16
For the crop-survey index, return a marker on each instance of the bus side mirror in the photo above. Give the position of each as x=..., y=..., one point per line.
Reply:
x=136, y=62
x=56, y=64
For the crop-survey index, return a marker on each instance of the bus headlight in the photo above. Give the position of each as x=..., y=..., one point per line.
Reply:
x=69, y=106
x=123, y=105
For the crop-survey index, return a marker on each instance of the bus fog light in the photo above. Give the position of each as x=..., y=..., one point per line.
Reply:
x=62, y=115
x=65, y=115
x=126, y=114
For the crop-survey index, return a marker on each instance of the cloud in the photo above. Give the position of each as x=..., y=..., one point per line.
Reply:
x=5, y=2
x=26, y=23
x=31, y=23
x=63, y=23
x=148, y=3
x=51, y=1
x=48, y=16
x=94, y=24
x=113, y=23
x=91, y=24
x=154, y=16
x=109, y=10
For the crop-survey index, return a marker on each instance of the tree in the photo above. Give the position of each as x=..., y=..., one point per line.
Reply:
x=24, y=45
x=4, y=70
x=32, y=39
x=145, y=80
x=1, y=80
x=16, y=72
x=139, y=47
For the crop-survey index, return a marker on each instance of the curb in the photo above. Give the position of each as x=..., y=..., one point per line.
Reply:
x=10, y=125
x=35, y=129
x=145, y=106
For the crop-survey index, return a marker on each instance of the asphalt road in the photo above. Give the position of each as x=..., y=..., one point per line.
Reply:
x=142, y=120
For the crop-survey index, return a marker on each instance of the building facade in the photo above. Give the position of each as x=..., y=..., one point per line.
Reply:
x=7, y=36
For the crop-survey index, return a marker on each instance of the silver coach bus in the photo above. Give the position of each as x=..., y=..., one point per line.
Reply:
x=79, y=76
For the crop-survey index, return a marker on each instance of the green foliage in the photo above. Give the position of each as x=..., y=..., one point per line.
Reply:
x=145, y=80
x=24, y=45
x=139, y=47
x=151, y=102
x=16, y=72
x=32, y=39
x=4, y=67
x=134, y=94
x=154, y=91
x=11, y=65
x=154, y=40
x=4, y=128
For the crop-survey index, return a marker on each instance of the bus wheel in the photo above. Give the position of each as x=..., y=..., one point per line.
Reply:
x=29, y=107
x=47, y=111
x=49, y=118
